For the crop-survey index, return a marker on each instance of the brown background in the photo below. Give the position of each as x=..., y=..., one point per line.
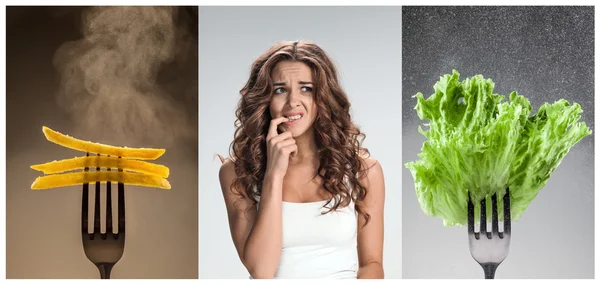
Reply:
x=43, y=238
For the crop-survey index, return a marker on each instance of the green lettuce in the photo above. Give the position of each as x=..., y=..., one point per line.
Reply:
x=478, y=143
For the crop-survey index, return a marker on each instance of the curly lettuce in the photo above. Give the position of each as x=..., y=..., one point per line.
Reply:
x=478, y=143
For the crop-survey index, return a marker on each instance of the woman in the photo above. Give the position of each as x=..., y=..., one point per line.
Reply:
x=303, y=198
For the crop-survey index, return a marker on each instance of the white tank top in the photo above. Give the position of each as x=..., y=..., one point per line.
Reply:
x=316, y=245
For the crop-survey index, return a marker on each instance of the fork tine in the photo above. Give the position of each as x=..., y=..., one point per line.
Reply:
x=109, y=227
x=97, y=220
x=84, y=204
x=121, y=205
x=471, y=217
x=495, y=215
x=483, y=220
x=507, y=212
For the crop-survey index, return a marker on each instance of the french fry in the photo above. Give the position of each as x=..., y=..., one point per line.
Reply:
x=104, y=162
x=81, y=145
x=144, y=173
x=78, y=178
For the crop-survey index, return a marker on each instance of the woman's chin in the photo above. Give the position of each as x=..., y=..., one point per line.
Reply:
x=295, y=133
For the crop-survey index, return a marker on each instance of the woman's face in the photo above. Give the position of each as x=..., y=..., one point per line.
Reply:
x=292, y=97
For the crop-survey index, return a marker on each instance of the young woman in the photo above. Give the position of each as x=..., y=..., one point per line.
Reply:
x=304, y=199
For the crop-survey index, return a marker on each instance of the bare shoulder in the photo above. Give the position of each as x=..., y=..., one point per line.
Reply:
x=227, y=168
x=372, y=178
x=372, y=167
x=236, y=200
x=227, y=174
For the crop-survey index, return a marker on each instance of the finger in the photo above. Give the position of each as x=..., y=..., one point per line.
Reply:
x=292, y=149
x=285, y=143
x=273, y=126
x=281, y=137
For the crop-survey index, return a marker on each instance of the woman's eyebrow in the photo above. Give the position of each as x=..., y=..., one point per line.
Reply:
x=299, y=82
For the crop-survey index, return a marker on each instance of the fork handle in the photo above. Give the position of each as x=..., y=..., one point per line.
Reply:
x=104, y=269
x=489, y=269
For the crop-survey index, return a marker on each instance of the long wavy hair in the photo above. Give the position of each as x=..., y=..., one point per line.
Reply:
x=338, y=139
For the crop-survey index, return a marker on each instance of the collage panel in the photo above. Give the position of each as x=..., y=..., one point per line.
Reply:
x=498, y=107
x=101, y=105
x=306, y=86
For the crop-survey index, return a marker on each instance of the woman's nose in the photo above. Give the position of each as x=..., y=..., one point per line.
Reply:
x=294, y=98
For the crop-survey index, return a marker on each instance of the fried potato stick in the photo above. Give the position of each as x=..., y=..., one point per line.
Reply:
x=79, y=178
x=103, y=162
x=91, y=147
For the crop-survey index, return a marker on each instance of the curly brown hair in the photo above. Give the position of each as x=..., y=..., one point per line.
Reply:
x=337, y=138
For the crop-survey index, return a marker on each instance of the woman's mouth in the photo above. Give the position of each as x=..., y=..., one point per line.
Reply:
x=293, y=118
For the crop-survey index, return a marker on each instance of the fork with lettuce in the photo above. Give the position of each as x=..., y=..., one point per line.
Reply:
x=479, y=143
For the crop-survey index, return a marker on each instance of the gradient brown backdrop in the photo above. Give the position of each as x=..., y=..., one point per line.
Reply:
x=43, y=238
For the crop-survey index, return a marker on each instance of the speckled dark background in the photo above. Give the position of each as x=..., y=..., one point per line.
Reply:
x=544, y=53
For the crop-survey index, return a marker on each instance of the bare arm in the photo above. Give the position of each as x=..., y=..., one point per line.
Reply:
x=263, y=246
x=370, y=237
x=257, y=233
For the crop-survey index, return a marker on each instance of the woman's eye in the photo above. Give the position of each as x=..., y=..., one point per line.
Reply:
x=306, y=89
x=279, y=90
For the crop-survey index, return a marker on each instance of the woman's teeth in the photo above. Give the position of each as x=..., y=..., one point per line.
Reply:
x=293, y=118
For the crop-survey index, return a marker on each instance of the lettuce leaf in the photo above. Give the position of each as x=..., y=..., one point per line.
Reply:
x=478, y=143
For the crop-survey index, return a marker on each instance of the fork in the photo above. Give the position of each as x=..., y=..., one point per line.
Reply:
x=489, y=249
x=103, y=249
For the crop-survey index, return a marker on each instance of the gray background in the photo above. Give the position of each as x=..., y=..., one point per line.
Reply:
x=544, y=53
x=43, y=228
x=365, y=42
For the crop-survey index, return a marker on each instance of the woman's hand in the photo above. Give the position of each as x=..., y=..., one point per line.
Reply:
x=279, y=149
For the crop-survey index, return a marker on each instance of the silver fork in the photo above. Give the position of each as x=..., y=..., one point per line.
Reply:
x=103, y=249
x=489, y=249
